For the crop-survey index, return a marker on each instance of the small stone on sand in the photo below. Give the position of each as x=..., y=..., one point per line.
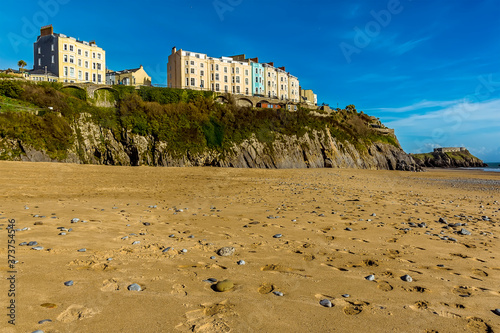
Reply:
x=224, y=285
x=68, y=283
x=134, y=287
x=326, y=303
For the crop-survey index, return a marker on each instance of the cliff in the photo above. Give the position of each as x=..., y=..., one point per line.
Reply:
x=463, y=159
x=166, y=127
x=317, y=149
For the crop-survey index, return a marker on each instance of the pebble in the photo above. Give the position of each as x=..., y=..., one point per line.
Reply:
x=348, y=229
x=226, y=251
x=62, y=234
x=82, y=250
x=278, y=293
x=278, y=236
x=109, y=259
x=23, y=243
x=406, y=278
x=241, y=262
x=37, y=331
x=326, y=303
x=465, y=232
x=190, y=236
x=184, y=250
x=497, y=312
x=147, y=224
x=346, y=295
x=212, y=257
x=136, y=242
x=125, y=237
x=45, y=321
x=225, y=285
x=68, y=283
x=38, y=248
x=134, y=287
x=370, y=277
x=210, y=280
x=442, y=220
x=75, y=220
x=32, y=243
x=167, y=249
x=172, y=236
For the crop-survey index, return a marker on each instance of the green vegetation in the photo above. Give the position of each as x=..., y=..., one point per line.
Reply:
x=21, y=64
x=187, y=120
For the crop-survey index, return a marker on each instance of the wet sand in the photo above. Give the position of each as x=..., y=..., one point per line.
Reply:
x=337, y=227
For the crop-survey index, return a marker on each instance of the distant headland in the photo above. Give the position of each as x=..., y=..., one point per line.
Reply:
x=448, y=157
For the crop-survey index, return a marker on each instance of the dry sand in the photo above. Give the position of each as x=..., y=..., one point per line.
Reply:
x=455, y=286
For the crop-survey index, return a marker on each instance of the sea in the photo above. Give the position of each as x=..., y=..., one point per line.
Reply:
x=492, y=167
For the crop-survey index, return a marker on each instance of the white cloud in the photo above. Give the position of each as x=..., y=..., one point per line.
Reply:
x=417, y=106
x=408, y=46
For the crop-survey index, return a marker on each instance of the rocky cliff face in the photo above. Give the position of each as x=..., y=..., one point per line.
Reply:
x=97, y=145
x=448, y=160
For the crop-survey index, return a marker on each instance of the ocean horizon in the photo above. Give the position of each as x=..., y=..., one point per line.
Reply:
x=492, y=167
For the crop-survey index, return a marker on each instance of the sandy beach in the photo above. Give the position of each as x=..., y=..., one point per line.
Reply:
x=429, y=239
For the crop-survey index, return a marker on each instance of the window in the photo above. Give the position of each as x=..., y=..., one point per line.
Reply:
x=52, y=47
x=217, y=87
x=246, y=81
x=237, y=89
x=53, y=59
x=65, y=47
x=99, y=78
x=79, y=52
x=187, y=63
x=93, y=77
x=246, y=91
x=269, y=94
x=86, y=76
x=187, y=70
x=237, y=70
x=268, y=83
x=39, y=50
x=65, y=58
x=217, y=77
x=93, y=56
x=87, y=54
x=99, y=67
x=217, y=68
x=213, y=87
x=93, y=66
x=225, y=69
x=201, y=65
x=187, y=81
x=202, y=83
x=71, y=48
x=233, y=70
x=71, y=59
x=212, y=76
x=192, y=63
x=86, y=64
x=192, y=70
x=233, y=89
x=193, y=82
x=256, y=71
x=212, y=68
x=256, y=90
x=39, y=61
x=202, y=72
x=71, y=72
x=225, y=78
x=80, y=75
x=65, y=71
x=79, y=62
x=256, y=80
x=226, y=89
x=233, y=79
x=237, y=79
x=99, y=56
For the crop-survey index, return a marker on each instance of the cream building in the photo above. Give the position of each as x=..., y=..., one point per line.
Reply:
x=271, y=80
x=130, y=77
x=197, y=71
x=69, y=59
x=293, y=89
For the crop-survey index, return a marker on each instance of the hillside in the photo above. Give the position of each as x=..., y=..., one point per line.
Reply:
x=448, y=160
x=170, y=127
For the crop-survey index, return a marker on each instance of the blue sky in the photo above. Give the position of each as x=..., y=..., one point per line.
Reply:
x=428, y=69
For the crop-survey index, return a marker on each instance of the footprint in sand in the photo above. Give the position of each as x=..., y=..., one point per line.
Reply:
x=417, y=289
x=462, y=291
x=266, y=288
x=75, y=312
x=110, y=285
x=354, y=308
x=478, y=325
x=384, y=286
x=211, y=318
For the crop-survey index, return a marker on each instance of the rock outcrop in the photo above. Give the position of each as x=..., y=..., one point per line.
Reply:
x=318, y=149
x=462, y=159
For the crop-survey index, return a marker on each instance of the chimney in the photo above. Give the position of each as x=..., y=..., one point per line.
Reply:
x=92, y=42
x=271, y=63
x=174, y=49
x=255, y=59
x=282, y=68
x=46, y=30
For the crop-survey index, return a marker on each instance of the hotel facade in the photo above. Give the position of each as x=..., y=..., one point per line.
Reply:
x=235, y=74
x=68, y=59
